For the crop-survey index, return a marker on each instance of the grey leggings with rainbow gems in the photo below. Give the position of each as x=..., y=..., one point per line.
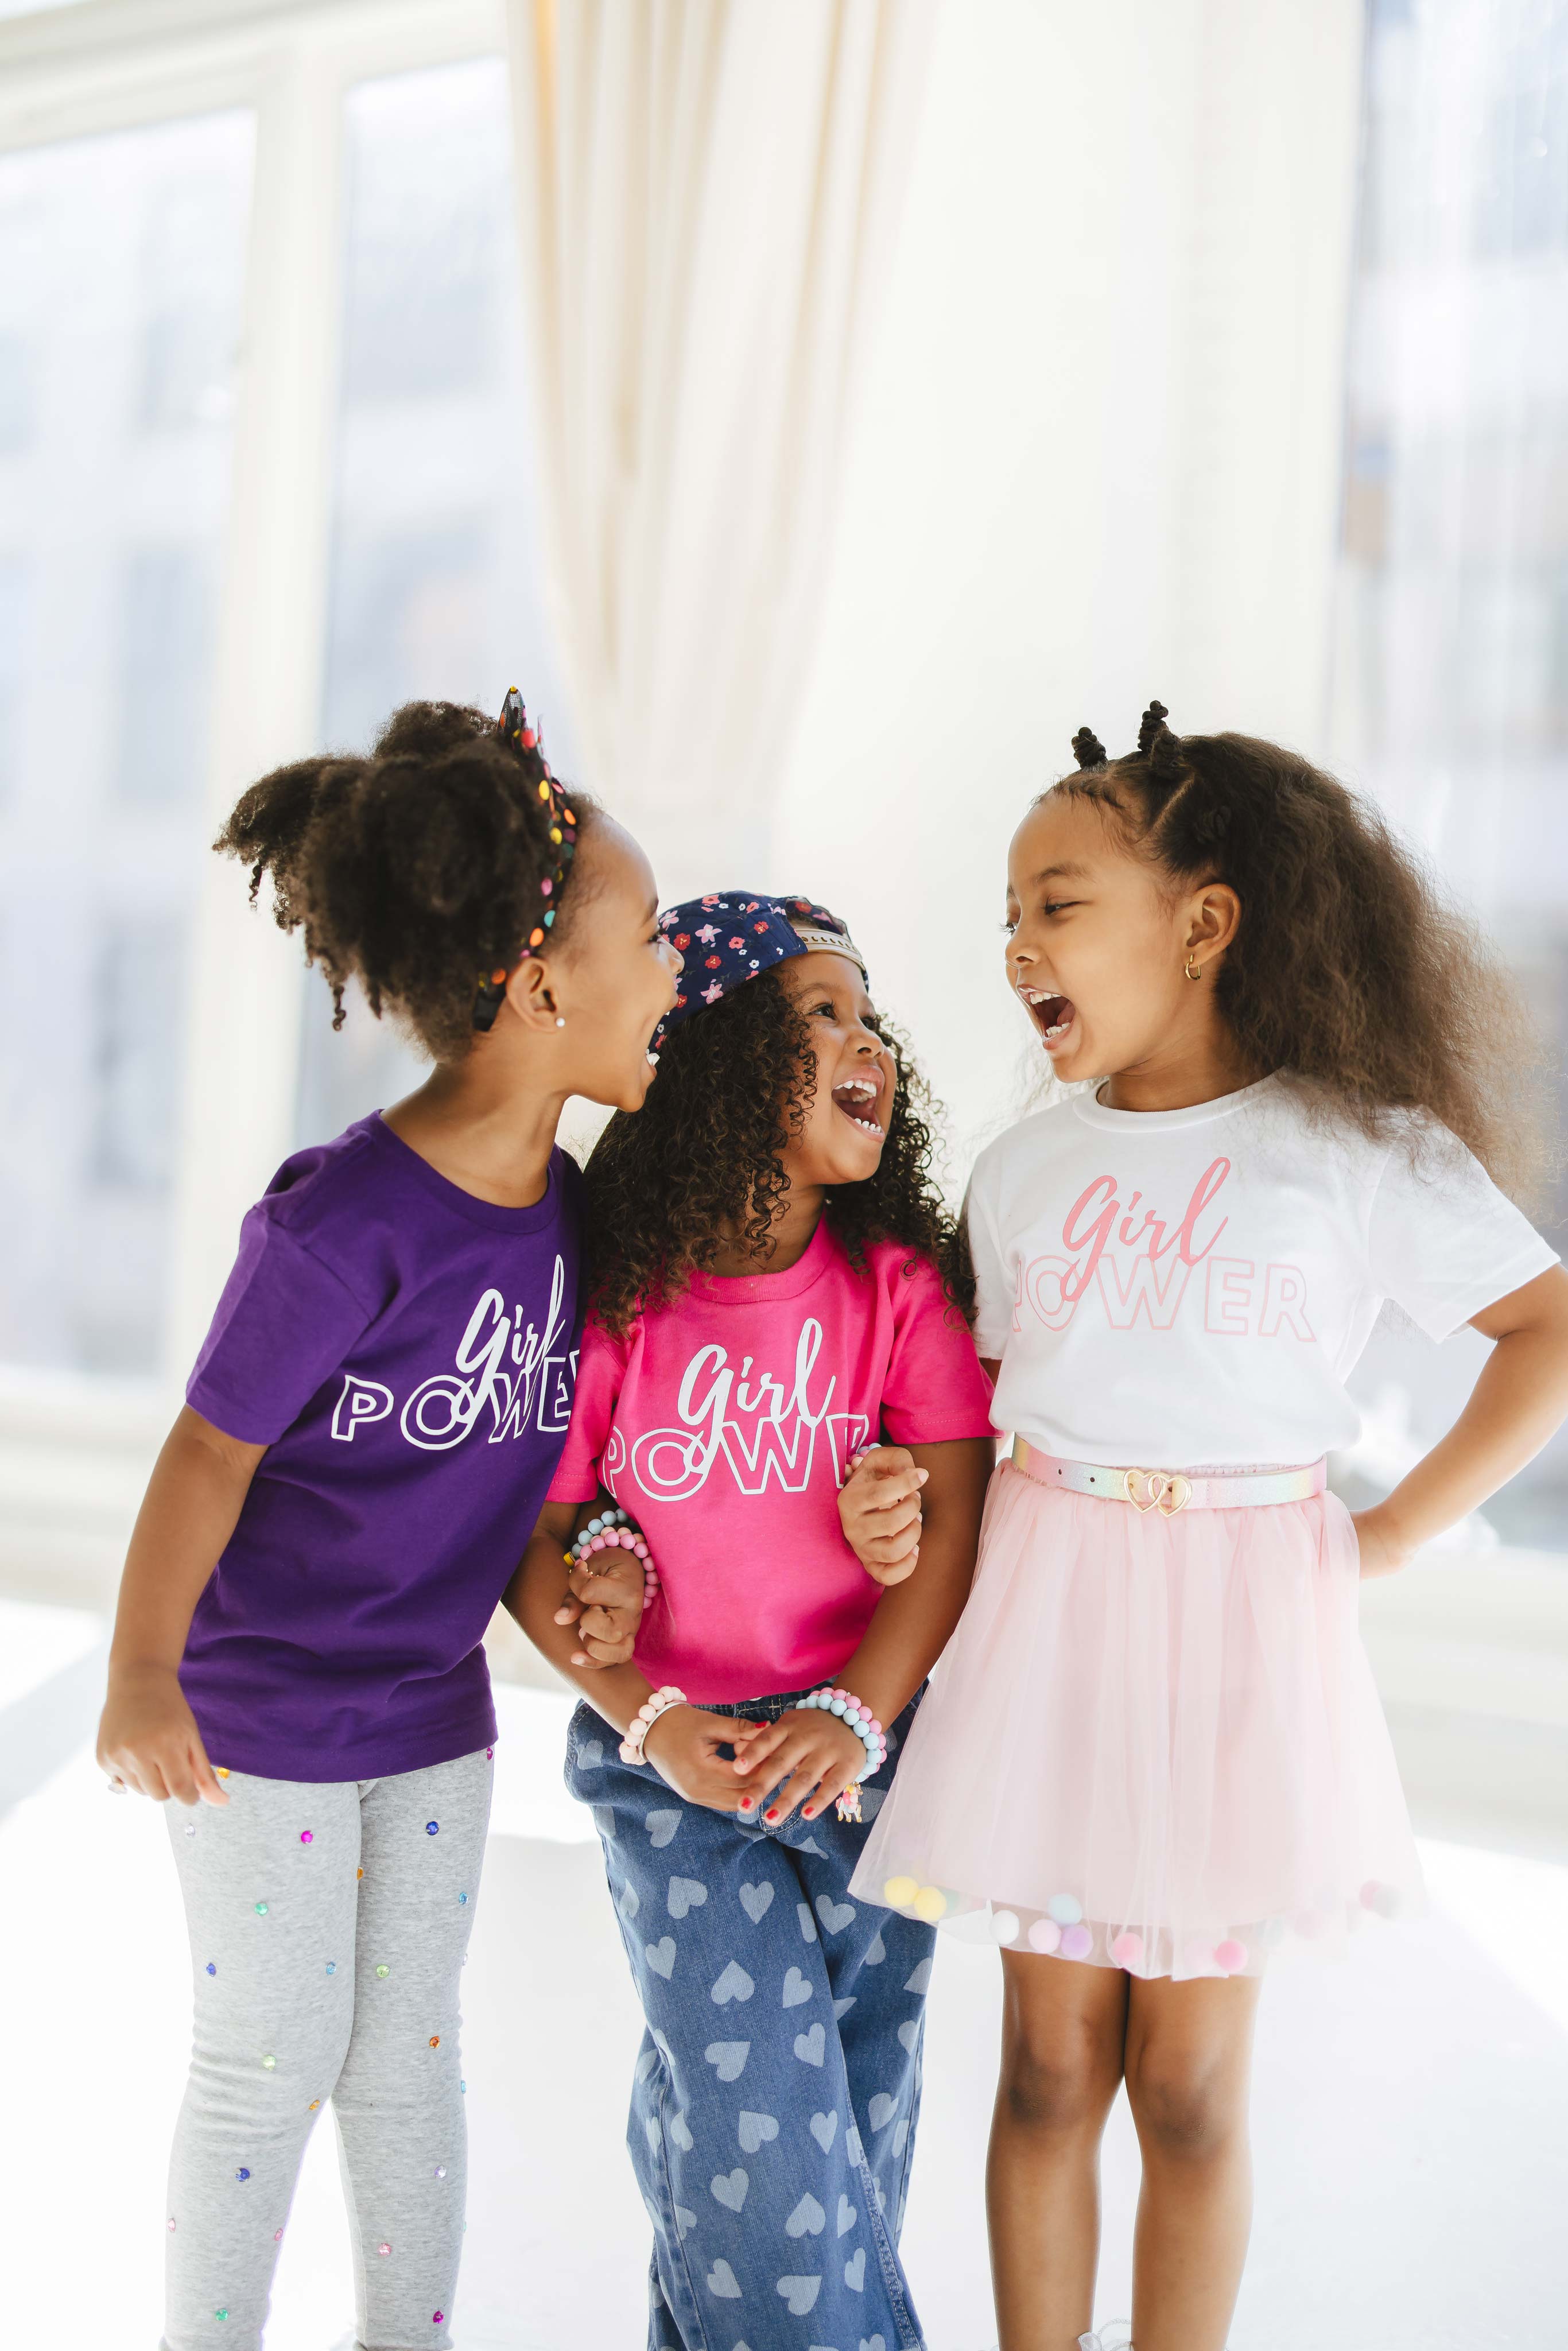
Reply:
x=328, y=1923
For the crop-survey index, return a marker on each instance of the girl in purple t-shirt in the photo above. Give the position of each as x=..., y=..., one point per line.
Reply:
x=775, y=1290
x=377, y=1411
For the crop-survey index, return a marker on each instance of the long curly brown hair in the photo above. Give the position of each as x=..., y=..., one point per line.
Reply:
x=703, y=1156
x=416, y=870
x=1349, y=971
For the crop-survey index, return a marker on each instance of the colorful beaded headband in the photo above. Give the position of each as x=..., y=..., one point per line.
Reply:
x=513, y=727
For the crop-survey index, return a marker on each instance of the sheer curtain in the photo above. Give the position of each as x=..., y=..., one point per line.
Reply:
x=709, y=189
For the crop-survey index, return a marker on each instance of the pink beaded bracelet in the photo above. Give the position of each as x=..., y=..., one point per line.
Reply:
x=647, y=1716
x=615, y=1529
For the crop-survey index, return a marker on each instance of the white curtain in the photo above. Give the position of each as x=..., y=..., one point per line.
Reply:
x=709, y=192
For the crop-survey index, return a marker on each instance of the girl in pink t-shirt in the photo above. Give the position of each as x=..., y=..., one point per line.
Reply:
x=776, y=1288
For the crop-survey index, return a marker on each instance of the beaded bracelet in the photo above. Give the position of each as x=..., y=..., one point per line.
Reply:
x=857, y=1717
x=647, y=1716
x=615, y=1529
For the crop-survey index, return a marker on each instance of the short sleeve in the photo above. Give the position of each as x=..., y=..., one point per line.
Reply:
x=1442, y=1240
x=993, y=1284
x=283, y=1325
x=934, y=1391
x=601, y=1367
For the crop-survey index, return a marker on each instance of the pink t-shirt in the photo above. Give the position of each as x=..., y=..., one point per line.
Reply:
x=724, y=1424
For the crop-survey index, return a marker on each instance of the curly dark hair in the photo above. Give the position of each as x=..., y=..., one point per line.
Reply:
x=705, y=1153
x=1348, y=971
x=416, y=870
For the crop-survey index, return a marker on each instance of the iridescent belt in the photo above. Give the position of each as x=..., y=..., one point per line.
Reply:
x=1170, y=1490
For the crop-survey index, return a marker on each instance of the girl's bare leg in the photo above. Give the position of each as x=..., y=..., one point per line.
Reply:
x=1062, y=2031
x=1188, y=2063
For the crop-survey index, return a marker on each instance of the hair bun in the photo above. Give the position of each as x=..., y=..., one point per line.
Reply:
x=1152, y=724
x=1088, y=749
x=1160, y=747
x=429, y=730
x=419, y=871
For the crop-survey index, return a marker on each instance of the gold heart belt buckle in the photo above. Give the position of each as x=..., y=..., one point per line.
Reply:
x=1167, y=1490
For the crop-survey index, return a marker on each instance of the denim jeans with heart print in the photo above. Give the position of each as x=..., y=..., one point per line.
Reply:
x=778, y=2088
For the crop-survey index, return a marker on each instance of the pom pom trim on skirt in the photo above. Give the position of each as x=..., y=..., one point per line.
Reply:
x=1153, y=1743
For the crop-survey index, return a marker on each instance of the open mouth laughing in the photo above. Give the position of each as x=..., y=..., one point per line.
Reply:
x=1053, y=1015
x=858, y=1098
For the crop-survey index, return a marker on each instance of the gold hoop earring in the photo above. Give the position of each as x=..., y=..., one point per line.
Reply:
x=1188, y=969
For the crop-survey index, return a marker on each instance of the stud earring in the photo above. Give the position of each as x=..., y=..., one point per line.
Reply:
x=1187, y=968
x=560, y=1020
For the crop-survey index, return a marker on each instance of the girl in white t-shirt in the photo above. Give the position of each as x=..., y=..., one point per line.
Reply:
x=1154, y=1747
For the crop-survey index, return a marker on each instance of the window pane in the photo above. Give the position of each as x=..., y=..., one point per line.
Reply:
x=166, y=596
x=1451, y=688
x=433, y=586
x=118, y=323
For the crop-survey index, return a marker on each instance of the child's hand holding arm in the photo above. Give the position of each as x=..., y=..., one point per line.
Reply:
x=683, y=1744
x=603, y=1599
x=809, y=1757
x=879, y=1510
x=1520, y=1399
x=147, y=1738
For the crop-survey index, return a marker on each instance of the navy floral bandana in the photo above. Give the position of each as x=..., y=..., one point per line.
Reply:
x=730, y=936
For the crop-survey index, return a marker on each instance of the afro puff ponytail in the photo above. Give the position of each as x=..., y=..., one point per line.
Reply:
x=416, y=870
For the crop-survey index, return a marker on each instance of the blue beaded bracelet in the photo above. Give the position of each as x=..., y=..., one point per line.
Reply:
x=858, y=1717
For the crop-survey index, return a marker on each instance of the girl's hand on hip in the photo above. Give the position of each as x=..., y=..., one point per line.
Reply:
x=683, y=1746
x=879, y=1510
x=605, y=1603
x=806, y=1758
x=1384, y=1551
x=147, y=1741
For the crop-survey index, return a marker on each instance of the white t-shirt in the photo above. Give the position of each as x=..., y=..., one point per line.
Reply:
x=1185, y=1289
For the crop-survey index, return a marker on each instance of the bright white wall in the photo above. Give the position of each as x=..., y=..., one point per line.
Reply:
x=1096, y=460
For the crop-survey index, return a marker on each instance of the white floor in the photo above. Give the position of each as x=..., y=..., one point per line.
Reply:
x=1412, y=2152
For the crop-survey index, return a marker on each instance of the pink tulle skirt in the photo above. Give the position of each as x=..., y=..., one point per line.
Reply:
x=1153, y=1743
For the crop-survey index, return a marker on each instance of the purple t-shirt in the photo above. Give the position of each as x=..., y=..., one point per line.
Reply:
x=407, y=1353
